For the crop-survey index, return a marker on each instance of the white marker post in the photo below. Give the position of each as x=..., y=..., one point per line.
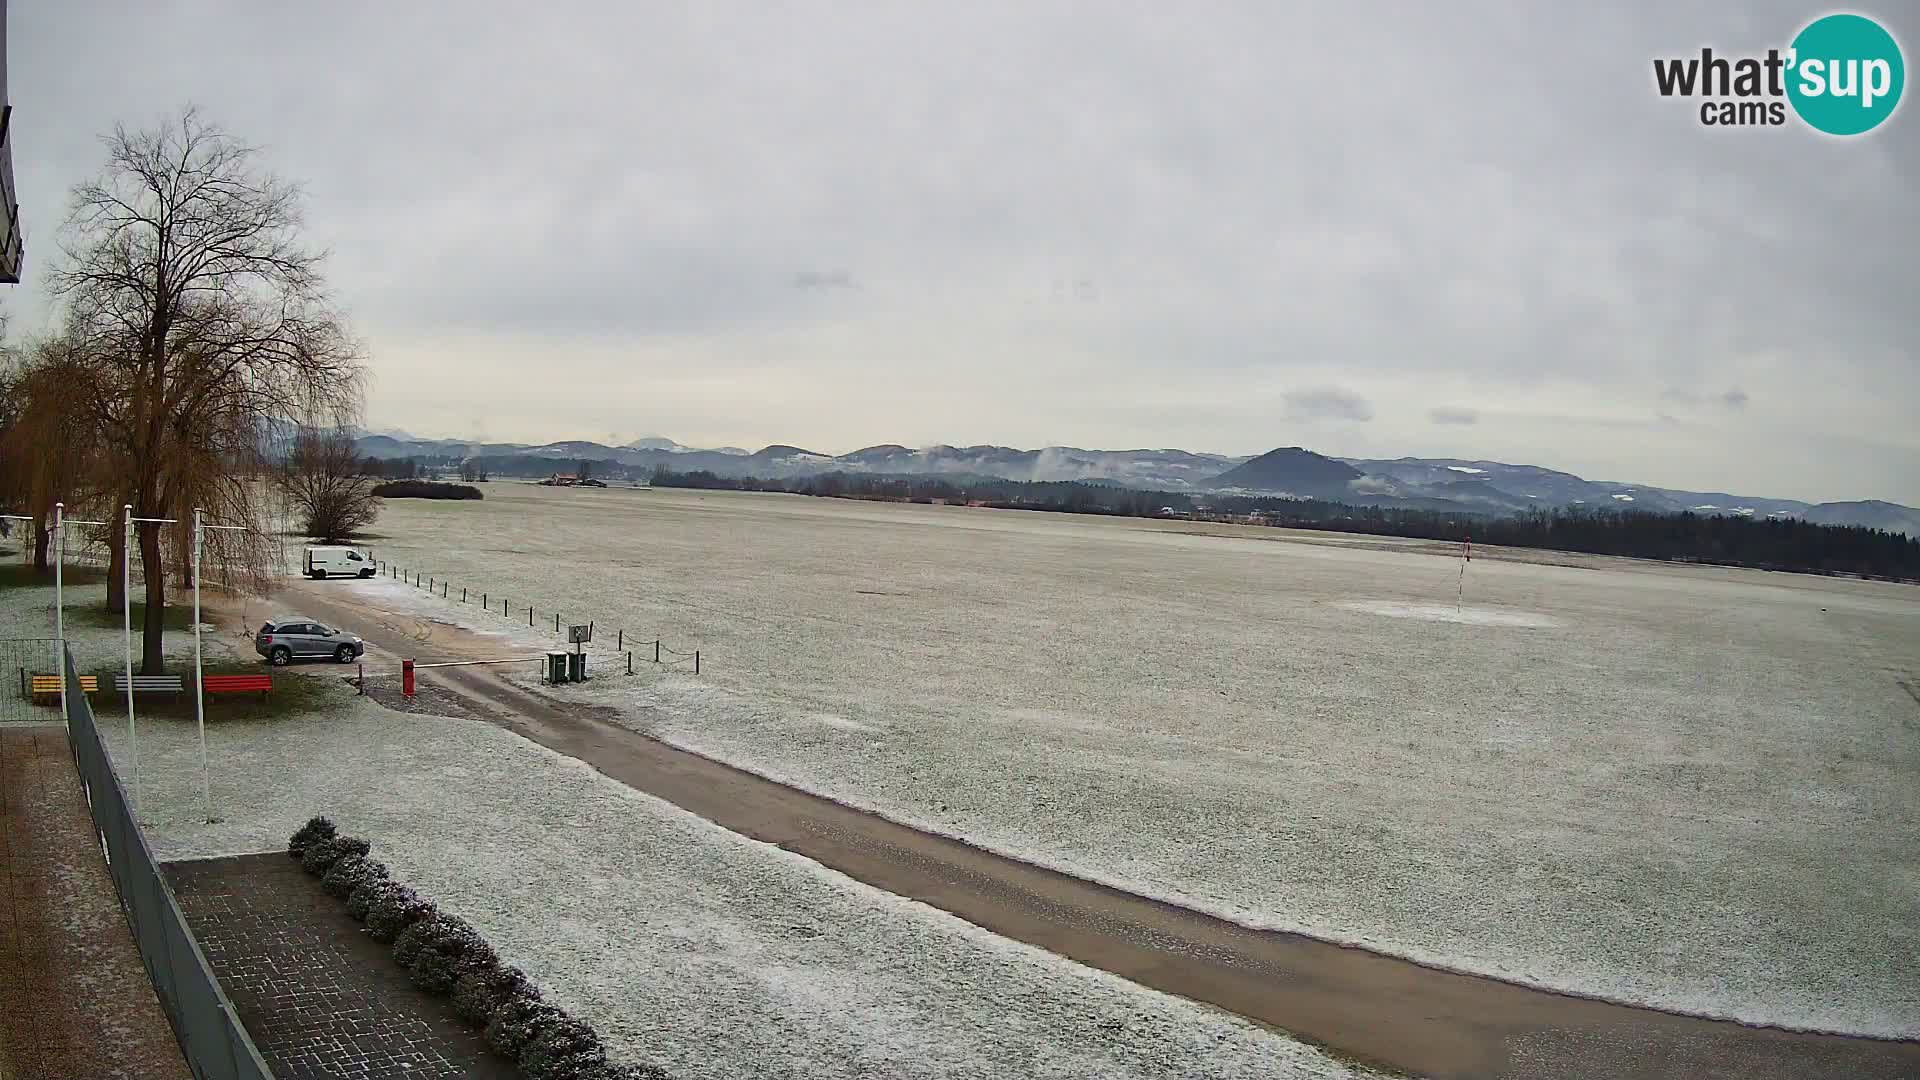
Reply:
x=199, y=689
x=60, y=523
x=126, y=631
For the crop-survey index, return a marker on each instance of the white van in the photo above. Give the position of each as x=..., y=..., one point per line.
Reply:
x=322, y=561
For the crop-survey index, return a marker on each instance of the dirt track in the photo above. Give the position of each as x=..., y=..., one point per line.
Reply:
x=1372, y=1008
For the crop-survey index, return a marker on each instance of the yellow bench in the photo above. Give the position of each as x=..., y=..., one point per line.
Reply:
x=48, y=686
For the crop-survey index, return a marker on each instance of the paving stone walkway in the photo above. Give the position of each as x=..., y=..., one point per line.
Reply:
x=75, y=1000
x=320, y=997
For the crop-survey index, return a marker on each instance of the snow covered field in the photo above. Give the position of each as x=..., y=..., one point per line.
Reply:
x=682, y=943
x=1691, y=787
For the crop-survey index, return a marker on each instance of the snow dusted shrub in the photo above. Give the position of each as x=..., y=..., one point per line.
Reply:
x=391, y=912
x=477, y=993
x=562, y=1048
x=607, y=1070
x=349, y=872
x=437, y=950
x=517, y=1020
x=317, y=828
x=361, y=900
x=322, y=854
x=586, y=1065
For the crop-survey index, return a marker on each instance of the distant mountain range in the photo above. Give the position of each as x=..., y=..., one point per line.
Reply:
x=1486, y=487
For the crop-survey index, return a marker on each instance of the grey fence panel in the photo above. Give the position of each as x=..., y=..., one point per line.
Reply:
x=217, y=1047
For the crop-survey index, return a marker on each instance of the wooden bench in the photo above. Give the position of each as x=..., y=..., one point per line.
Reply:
x=237, y=684
x=48, y=686
x=150, y=684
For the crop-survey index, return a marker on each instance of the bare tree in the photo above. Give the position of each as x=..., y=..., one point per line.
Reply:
x=205, y=324
x=326, y=483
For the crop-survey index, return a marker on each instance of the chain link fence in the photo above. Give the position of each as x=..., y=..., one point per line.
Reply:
x=216, y=1045
x=22, y=660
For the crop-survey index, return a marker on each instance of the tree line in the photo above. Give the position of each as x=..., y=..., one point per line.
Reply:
x=197, y=359
x=1767, y=543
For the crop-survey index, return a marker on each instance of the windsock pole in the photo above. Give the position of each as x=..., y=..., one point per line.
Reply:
x=1466, y=556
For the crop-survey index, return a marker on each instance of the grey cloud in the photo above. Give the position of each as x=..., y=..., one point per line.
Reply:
x=643, y=203
x=823, y=279
x=1326, y=403
x=1450, y=415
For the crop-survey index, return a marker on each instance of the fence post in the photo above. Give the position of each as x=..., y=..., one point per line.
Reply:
x=629, y=663
x=556, y=622
x=443, y=590
x=529, y=616
x=619, y=639
x=696, y=661
x=463, y=594
x=656, y=650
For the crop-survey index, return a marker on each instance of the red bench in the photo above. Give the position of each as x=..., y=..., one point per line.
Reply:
x=237, y=684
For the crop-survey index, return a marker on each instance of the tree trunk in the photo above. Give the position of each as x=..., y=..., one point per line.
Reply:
x=153, y=653
x=42, y=549
x=116, y=565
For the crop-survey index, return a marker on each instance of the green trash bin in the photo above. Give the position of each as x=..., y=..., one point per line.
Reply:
x=576, y=667
x=556, y=666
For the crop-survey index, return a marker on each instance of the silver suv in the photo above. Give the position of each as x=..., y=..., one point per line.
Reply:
x=283, y=640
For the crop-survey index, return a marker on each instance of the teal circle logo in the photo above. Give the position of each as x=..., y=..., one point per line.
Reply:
x=1845, y=75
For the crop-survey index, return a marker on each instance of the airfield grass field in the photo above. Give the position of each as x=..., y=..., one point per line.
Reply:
x=1688, y=787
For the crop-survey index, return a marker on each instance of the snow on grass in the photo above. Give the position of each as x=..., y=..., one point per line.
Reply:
x=1640, y=801
x=403, y=598
x=682, y=943
x=27, y=612
x=1472, y=616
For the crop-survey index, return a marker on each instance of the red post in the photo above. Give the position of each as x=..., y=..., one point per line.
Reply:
x=406, y=677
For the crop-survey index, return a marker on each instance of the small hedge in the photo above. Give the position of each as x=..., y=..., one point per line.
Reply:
x=322, y=854
x=318, y=828
x=477, y=993
x=349, y=872
x=443, y=954
x=392, y=911
x=426, y=489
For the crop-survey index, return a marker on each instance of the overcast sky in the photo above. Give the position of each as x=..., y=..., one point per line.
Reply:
x=1368, y=229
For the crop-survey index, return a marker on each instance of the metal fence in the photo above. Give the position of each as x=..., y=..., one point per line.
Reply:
x=216, y=1045
x=20, y=660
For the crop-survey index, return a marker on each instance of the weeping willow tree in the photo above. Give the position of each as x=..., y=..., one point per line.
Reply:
x=50, y=452
x=202, y=323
